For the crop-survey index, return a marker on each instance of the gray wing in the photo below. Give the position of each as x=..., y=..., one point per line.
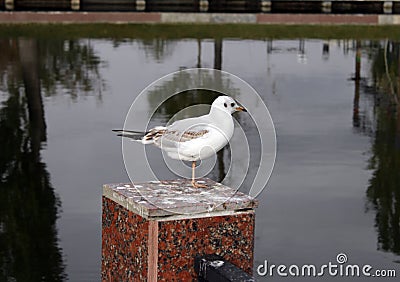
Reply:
x=183, y=131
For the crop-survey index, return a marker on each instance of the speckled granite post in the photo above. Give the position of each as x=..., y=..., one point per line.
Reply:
x=153, y=231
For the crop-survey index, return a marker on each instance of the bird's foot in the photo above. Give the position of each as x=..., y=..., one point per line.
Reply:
x=198, y=185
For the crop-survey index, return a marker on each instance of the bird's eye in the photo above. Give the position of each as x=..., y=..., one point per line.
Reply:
x=232, y=105
x=225, y=105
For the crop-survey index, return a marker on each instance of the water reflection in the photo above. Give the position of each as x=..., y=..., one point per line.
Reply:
x=383, y=191
x=158, y=49
x=29, y=207
x=70, y=67
x=357, y=78
x=376, y=113
x=28, y=247
x=31, y=70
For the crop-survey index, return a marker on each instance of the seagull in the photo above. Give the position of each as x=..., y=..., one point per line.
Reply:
x=193, y=139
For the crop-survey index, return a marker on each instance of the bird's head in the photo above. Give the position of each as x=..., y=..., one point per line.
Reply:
x=227, y=104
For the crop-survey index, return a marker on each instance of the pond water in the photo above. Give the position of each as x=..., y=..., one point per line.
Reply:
x=336, y=183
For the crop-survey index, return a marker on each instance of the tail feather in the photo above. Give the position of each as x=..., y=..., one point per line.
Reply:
x=129, y=131
x=135, y=135
x=148, y=137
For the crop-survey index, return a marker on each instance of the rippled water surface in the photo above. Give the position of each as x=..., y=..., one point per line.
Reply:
x=336, y=183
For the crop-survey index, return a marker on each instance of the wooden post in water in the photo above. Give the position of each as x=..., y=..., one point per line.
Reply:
x=266, y=6
x=140, y=5
x=153, y=231
x=326, y=6
x=9, y=5
x=388, y=7
x=75, y=5
x=203, y=5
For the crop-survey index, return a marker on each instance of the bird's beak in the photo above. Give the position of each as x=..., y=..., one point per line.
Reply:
x=240, y=109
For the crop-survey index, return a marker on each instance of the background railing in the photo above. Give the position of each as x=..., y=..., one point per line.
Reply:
x=227, y=6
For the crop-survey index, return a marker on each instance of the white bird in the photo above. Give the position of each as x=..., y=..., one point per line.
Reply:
x=193, y=139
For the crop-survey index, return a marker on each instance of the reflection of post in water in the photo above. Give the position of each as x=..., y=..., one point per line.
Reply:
x=357, y=77
x=198, y=53
x=325, y=50
x=398, y=98
x=28, y=205
x=302, y=46
x=383, y=191
x=269, y=46
x=398, y=78
x=218, y=53
x=28, y=53
x=218, y=66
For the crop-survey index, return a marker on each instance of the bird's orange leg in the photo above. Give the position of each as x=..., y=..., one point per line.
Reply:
x=194, y=183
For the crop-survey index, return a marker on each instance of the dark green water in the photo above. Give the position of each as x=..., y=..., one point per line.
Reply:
x=336, y=183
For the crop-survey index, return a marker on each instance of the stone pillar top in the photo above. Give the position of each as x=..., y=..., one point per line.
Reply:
x=170, y=199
